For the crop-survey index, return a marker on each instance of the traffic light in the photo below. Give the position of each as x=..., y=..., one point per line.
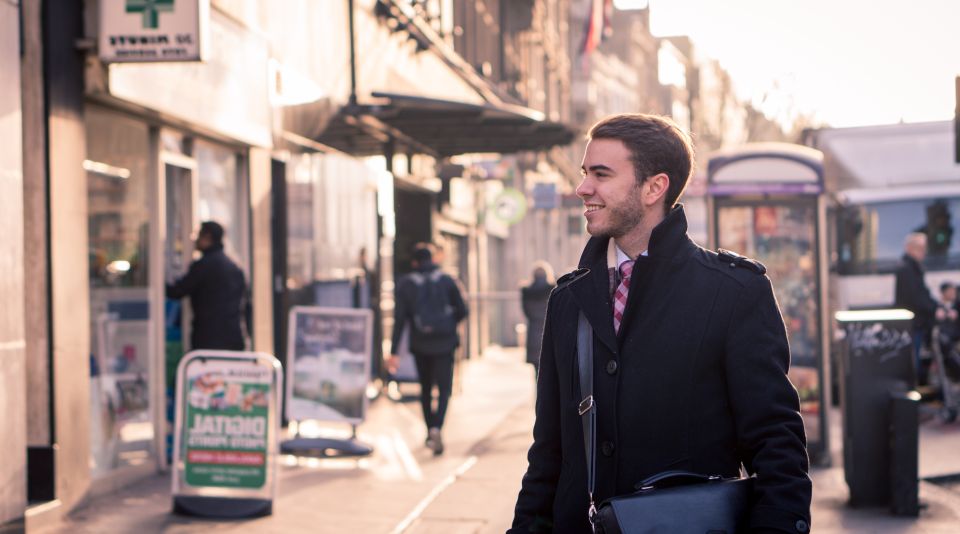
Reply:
x=938, y=229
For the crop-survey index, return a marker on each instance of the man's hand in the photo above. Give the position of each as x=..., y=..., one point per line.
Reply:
x=940, y=314
x=393, y=364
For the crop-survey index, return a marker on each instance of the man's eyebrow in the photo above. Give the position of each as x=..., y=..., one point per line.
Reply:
x=595, y=168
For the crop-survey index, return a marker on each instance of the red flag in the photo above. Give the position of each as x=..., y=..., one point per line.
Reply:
x=597, y=28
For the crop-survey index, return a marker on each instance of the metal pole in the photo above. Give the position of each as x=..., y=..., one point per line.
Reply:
x=353, y=57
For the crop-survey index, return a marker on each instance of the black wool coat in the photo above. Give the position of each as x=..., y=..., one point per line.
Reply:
x=407, y=292
x=911, y=292
x=534, y=300
x=696, y=381
x=217, y=292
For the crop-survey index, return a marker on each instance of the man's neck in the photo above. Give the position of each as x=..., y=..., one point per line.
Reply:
x=634, y=242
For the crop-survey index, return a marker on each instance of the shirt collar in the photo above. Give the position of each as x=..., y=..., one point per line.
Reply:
x=614, y=254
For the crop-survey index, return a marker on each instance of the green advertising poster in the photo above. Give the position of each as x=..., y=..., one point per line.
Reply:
x=226, y=424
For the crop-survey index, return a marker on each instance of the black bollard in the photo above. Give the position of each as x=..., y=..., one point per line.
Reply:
x=904, y=453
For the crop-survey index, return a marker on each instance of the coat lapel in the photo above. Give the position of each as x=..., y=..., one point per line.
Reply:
x=592, y=295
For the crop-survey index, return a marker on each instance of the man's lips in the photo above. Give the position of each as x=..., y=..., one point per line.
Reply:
x=591, y=208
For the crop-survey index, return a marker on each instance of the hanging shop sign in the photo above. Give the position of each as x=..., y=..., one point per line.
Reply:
x=545, y=196
x=328, y=363
x=227, y=433
x=153, y=30
x=510, y=206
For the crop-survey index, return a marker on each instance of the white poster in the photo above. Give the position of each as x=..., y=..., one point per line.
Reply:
x=152, y=30
x=328, y=363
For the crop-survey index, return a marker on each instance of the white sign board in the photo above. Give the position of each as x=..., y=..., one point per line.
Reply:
x=328, y=363
x=153, y=30
x=226, y=434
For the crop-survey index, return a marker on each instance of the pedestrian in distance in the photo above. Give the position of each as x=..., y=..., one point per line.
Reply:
x=949, y=322
x=533, y=298
x=429, y=301
x=217, y=292
x=911, y=293
x=690, y=353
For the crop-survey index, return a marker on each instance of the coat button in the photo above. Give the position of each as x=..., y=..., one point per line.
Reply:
x=607, y=448
x=612, y=367
x=802, y=526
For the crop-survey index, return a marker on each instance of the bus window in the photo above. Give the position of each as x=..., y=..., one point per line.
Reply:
x=870, y=236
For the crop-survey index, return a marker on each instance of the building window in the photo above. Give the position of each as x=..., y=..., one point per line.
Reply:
x=118, y=225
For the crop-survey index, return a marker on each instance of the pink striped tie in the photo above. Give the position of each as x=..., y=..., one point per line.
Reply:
x=620, y=297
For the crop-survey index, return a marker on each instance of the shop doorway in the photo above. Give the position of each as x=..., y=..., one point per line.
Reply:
x=180, y=189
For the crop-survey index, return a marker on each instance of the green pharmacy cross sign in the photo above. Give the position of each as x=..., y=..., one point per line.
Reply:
x=151, y=10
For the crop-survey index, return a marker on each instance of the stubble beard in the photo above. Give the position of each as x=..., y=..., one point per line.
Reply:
x=623, y=217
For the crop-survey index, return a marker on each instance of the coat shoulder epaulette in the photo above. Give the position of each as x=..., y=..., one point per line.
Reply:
x=570, y=277
x=734, y=260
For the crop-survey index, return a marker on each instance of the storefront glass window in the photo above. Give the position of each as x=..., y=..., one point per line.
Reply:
x=118, y=225
x=222, y=198
x=331, y=230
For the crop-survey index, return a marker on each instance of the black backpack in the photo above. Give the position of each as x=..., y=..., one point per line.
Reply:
x=433, y=314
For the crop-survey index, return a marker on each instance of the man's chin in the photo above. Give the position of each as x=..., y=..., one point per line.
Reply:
x=598, y=232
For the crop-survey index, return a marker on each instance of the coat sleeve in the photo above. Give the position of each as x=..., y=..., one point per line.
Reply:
x=766, y=410
x=401, y=312
x=460, y=310
x=912, y=292
x=534, y=509
x=188, y=283
x=525, y=302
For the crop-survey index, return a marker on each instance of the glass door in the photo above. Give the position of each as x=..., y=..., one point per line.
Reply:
x=180, y=221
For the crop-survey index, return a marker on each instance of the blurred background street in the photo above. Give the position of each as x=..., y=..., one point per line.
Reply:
x=331, y=138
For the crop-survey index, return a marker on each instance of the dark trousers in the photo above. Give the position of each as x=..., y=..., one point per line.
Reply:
x=435, y=369
x=919, y=366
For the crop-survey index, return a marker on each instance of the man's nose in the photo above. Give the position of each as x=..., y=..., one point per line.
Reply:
x=585, y=189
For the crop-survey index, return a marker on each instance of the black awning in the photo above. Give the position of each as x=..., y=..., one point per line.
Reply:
x=441, y=128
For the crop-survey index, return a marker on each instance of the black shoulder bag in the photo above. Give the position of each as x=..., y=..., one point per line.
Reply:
x=672, y=501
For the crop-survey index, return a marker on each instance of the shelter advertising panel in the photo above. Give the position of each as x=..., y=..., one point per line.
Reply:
x=328, y=363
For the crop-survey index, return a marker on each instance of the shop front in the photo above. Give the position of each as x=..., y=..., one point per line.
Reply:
x=149, y=186
x=168, y=145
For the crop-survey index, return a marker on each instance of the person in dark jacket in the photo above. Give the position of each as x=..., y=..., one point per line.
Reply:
x=533, y=298
x=430, y=303
x=217, y=291
x=690, y=351
x=911, y=293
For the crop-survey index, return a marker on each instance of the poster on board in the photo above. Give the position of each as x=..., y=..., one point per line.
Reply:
x=226, y=433
x=328, y=363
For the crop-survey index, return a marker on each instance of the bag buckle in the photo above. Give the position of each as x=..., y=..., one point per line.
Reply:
x=585, y=405
x=592, y=516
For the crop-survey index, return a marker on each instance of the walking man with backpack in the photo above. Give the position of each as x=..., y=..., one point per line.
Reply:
x=430, y=302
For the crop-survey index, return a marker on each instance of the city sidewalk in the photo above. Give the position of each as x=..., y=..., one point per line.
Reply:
x=473, y=486
x=384, y=493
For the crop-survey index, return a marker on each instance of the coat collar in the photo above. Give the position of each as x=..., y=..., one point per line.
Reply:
x=913, y=263
x=668, y=242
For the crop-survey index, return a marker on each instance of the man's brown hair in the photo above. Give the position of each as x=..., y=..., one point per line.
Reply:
x=656, y=145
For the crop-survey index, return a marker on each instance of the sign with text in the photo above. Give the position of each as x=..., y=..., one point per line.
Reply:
x=227, y=424
x=152, y=30
x=328, y=363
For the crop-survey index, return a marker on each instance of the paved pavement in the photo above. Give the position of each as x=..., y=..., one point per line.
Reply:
x=403, y=489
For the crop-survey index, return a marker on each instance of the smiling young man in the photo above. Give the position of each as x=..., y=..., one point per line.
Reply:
x=690, y=351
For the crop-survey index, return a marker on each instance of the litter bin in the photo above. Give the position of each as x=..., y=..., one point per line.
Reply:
x=875, y=360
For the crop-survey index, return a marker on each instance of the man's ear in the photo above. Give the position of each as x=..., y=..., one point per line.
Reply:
x=654, y=189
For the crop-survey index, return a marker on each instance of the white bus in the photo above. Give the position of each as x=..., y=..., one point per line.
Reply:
x=883, y=183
